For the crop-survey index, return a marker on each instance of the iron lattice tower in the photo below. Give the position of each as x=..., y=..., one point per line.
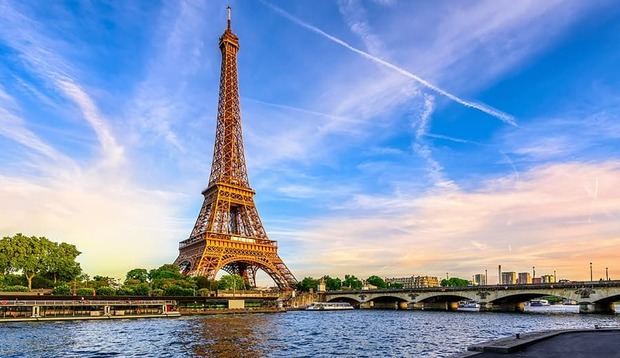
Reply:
x=228, y=234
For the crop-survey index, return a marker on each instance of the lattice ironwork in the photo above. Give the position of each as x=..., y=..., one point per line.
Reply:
x=228, y=234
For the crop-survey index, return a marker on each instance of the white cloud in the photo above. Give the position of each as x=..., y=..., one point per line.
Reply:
x=546, y=218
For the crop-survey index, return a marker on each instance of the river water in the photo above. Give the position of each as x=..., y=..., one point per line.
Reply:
x=359, y=333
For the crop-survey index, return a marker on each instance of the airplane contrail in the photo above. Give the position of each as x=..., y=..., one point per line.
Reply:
x=504, y=117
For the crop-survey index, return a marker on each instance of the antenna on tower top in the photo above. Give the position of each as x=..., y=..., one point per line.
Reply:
x=228, y=15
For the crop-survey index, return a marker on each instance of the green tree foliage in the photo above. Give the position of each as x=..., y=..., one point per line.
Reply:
x=62, y=290
x=307, y=283
x=13, y=280
x=204, y=282
x=158, y=292
x=395, y=285
x=332, y=283
x=102, y=281
x=25, y=254
x=376, y=281
x=167, y=271
x=230, y=282
x=141, y=289
x=454, y=282
x=203, y=292
x=352, y=282
x=60, y=262
x=138, y=274
x=85, y=291
x=178, y=291
x=16, y=288
x=106, y=291
x=37, y=256
x=125, y=291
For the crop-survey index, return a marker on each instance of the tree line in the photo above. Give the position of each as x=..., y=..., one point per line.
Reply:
x=349, y=282
x=352, y=282
x=31, y=262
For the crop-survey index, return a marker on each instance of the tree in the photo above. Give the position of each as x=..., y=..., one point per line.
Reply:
x=203, y=282
x=34, y=256
x=352, y=282
x=307, y=283
x=60, y=262
x=102, y=281
x=454, y=282
x=168, y=271
x=138, y=274
x=376, y=281
x=26, y=254
x=396, y=285
x=230, y=282
x=106, y=291
x=332, y=283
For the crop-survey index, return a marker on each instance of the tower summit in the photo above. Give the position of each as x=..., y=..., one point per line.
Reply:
x=228, y=234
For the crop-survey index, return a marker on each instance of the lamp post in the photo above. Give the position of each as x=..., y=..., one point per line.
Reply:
x=533, y=272
x=486, y=276
x=591, y=277
x=607, y=273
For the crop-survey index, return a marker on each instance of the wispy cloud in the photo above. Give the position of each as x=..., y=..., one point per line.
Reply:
x=479, y=106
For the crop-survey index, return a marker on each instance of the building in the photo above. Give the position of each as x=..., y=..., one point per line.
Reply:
x=414, y=281
x=524, y=278
x=480, y=279
x=547, y=279
x=509, y=278
x=536, y=280
x=426, y=281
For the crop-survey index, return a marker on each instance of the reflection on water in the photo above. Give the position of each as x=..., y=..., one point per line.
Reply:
x=359, y=333
x=231, y=335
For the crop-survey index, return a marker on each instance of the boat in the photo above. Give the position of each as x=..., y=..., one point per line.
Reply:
x=329, y=306
x=539, y=303
x=469, y=306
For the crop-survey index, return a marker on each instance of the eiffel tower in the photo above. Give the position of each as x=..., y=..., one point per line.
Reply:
x=228, y=234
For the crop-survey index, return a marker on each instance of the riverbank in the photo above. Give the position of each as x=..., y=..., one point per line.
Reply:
x=576, y=343
x=50, y=308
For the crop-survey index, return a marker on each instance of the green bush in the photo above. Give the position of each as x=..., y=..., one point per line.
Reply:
x=62, y=290
x=16, y=288
x=85, y=291
x=106, y=291
x=141, y=289
x=204, y=292
x=157, y=292
x=13, y=280
x=42, y=282
x=178, y=291
x=125, y=291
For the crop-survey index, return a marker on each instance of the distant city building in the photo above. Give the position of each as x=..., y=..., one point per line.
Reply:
x=480, y=279
x=524, y=278
x=536, y=280
x=414, y=281
x=547, y=279
x=509, y=278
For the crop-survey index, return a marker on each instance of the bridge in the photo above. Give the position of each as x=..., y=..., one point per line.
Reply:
x=592, y=297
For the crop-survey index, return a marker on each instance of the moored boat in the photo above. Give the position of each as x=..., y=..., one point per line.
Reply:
x=329, y=306
x=539, y=303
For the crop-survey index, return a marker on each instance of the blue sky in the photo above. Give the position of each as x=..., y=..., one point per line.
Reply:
x=388, y=137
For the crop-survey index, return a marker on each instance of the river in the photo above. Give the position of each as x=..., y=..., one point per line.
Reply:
x=359, y=333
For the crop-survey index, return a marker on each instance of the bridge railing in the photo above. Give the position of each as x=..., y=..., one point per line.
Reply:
x=571, y=284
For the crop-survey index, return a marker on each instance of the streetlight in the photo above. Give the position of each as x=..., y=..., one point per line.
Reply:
x=486, y=276
x=591, y=277
x=533, y=272
x=607, y=273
